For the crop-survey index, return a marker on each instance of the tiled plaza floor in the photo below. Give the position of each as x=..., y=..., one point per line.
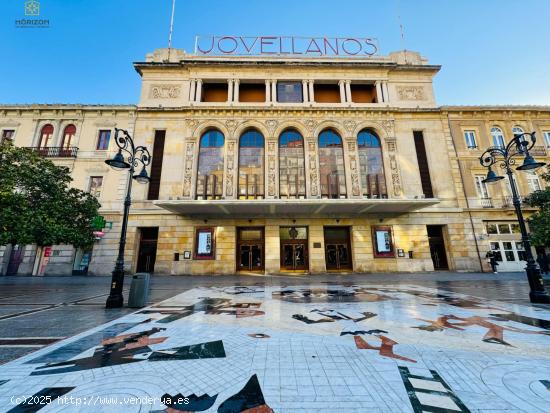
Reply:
x=341, y=346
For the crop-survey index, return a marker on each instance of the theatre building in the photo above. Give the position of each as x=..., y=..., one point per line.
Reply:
x=284, y=164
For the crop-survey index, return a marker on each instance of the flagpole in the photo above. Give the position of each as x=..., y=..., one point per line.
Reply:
x=171, y=28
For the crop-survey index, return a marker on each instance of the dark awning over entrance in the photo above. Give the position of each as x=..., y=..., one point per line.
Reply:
x=293, y=207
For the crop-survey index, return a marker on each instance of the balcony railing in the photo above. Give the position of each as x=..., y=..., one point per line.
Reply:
x=538, y=151
x=486, y=202
x=56, y=151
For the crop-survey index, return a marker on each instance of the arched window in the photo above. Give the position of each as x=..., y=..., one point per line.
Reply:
x=251, y=165
x=46, y=135
x=331, y=165
x=68, y=136
x=210, y=165
x=498, y=137
x=517, y=130
x=292, y=174
x=373, y=181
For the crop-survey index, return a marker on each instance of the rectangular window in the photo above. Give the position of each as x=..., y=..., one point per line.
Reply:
x=481, y=187
x=252, y=92
x=504, y=229
x=7, y=134
x=103, y=139
x=533, y=181
x=470, y=137
x=363, y=93
x=492, y=228
x=326, y=92
x=289, y=92
x=547, y=138
x=96, y=182
x=214, y=92
x=205, y=244
x=382, y=242
x=156, y=165
x=423, y=168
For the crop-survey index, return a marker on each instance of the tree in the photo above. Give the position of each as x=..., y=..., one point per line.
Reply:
x=539, y=222
x=37, y=204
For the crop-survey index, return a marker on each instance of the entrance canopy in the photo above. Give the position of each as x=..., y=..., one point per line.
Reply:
x=293, y=207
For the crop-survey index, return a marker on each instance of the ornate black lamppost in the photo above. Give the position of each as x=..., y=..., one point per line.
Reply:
x=135, y=156
x=519, y=146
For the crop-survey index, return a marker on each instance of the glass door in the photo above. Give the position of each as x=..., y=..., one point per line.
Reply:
x=250, y=249
x=337, y=248
x=294, y=253
x=510, y=255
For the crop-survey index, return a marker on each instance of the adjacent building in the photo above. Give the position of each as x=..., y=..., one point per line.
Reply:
x=285, y=164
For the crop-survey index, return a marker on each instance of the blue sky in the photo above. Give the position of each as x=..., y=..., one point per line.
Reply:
x=491, y=51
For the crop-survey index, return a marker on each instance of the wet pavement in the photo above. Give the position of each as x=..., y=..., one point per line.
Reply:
x=439, y=342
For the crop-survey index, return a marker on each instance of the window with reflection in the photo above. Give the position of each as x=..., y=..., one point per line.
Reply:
x=292, y=175
x=373, y=181
x=46, y=136
x=210, y=165
x=498, y=137
x=331, y=165
x=251, y=165
x=68, y=136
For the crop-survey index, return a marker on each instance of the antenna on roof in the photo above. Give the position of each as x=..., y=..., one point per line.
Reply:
x=402, y=30
x=171, y=28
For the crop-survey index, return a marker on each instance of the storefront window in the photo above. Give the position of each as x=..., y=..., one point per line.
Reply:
x=382, y=241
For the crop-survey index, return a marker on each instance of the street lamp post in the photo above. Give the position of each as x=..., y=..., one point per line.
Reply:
x=135, y=156
x=505, y=156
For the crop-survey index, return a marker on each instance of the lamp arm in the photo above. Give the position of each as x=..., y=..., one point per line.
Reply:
x=125, y=143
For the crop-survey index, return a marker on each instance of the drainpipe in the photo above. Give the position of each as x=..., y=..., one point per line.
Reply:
x=464, y=192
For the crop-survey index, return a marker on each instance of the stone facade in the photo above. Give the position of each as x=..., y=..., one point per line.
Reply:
x=173, y=100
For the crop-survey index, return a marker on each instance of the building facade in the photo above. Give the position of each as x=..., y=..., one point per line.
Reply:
x=286, y=165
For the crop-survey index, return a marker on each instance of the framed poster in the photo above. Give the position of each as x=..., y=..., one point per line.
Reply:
x=383, y=242
x=204, y=244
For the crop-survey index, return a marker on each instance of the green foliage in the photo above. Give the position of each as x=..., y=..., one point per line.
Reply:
x=37, y=204
x=539, y=222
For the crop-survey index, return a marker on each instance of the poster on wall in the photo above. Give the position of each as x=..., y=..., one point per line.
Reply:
x=383, y=241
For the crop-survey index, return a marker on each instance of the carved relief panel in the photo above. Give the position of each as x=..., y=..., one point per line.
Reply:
x=272, y=169
x=354, y=171
x=312, y=168
x=394, y=166
x=230, y=170
x=188, y=171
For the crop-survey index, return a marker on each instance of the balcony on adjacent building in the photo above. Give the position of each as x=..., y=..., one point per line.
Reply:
x=56, y=151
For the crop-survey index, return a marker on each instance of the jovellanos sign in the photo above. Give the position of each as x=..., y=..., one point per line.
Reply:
x=285, y=45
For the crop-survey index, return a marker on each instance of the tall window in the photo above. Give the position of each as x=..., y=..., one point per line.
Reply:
x=292, y=174
x=210, y=168
x=103, y=139
x=533, y=181
x=289, y=92
x=96, y=183
x=331, y=165
x=547, y=138
x=517, y=131
x=68, y=136
x=251, y=165
x=373, y=181
x=470, y=138
x=498, y=137
x=46, y=136
x=481, y=187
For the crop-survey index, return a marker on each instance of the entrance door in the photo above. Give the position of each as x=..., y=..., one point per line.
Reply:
x=16, y=257
x=437, y=247
x=147, y=252
x=337, y=249
x=250, y=249
x=294, y=253
x=510, y=255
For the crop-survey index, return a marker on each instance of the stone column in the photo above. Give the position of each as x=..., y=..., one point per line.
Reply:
x=267, y=91
x=230, y=83
x=274, y=91
x=272, y=248
x=348, y=91
x=305, y=91
x=236, y=85
x=386, y=91
x=379, y=94
x=311, y=91
x=192, y=89
x=342, y=92
x=198, y=95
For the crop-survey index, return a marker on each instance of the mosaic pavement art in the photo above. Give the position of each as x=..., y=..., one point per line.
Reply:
x=323, y=348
